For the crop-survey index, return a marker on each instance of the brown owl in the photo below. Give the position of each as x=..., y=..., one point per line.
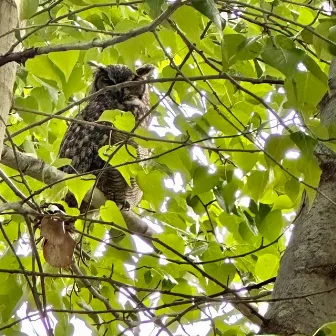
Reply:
x=82, y=142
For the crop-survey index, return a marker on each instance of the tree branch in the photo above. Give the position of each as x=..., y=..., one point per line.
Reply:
x=47, y=174
x=22, y=56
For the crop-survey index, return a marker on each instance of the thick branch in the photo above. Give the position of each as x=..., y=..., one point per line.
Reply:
x=22, y=56
x=39, y=170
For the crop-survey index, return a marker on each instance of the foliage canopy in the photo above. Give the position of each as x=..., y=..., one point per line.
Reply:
x=235, y=107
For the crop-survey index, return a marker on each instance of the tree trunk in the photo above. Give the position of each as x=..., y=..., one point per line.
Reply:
x=308, y=268
x=8, y=21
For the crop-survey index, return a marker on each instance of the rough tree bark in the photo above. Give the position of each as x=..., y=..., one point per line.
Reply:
x=8, y=21
x=309, y=262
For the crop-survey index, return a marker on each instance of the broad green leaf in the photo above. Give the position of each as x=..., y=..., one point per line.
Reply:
x=174, y=219
x=332, y=37
x=312, y=173
x=245, y=161
x=122, y=120
x=221, y=271
x=109, y=212
x=75, y=82
x=10, y=297
x=256, y=184
x=203, y=180
x=177, y=160
x=287, y=61
x=42, y=66
x=237, y=47
x=305, y=143
x=181, y=287
x=173, y=243
x=191, y=27
x=326, y=330
x=292, y=189
x=45, y=103
x=272, y=225
x=306, y=16
x=229, y=194
x=267, y=266
x=29, y=103
x=283, y=202
x=65, y=61
x=304, y=92
x=155, y=7
x=276, y=147
x=80, y=186
x=152, y=186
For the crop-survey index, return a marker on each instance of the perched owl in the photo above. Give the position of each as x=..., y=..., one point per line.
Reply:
x=82, y=142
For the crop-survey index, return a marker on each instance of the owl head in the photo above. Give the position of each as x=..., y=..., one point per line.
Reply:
x=119, y=73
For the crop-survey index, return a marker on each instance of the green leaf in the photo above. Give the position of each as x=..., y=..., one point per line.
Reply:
x=306, y=143
x=155, y=7
x=272, y=225
x=276, y=146
x=79, y=186
x=288, y=60
x=190, y=27
x=256, y=184
x=29, y=103
x=203, y=180
x=152, y=186
x=306, y=16
x=312, y=173
x=10, y=297
x=41, y=66
x=283, y=202
x=109, y=212
x=209, y=9
x=267, y=266
x=122, y=120
x=244, y=160
x=327, y=329
x=292, y=189
x=229, y=195
x=174, y=242
x=65, y=61
x=304, y=92
x=27, y=8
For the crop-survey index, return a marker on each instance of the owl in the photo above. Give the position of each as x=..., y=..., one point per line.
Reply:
x=81, y=142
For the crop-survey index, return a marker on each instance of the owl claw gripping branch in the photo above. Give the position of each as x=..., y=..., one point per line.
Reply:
x=82, y=142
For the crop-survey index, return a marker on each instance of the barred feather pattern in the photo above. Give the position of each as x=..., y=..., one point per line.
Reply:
x=82, y=142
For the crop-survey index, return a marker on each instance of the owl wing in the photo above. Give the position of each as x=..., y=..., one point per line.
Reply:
x=81, y=144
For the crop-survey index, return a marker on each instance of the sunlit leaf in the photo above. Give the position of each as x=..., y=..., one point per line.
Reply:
x=267, y=266
x=80, y=186
x=111, y=213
